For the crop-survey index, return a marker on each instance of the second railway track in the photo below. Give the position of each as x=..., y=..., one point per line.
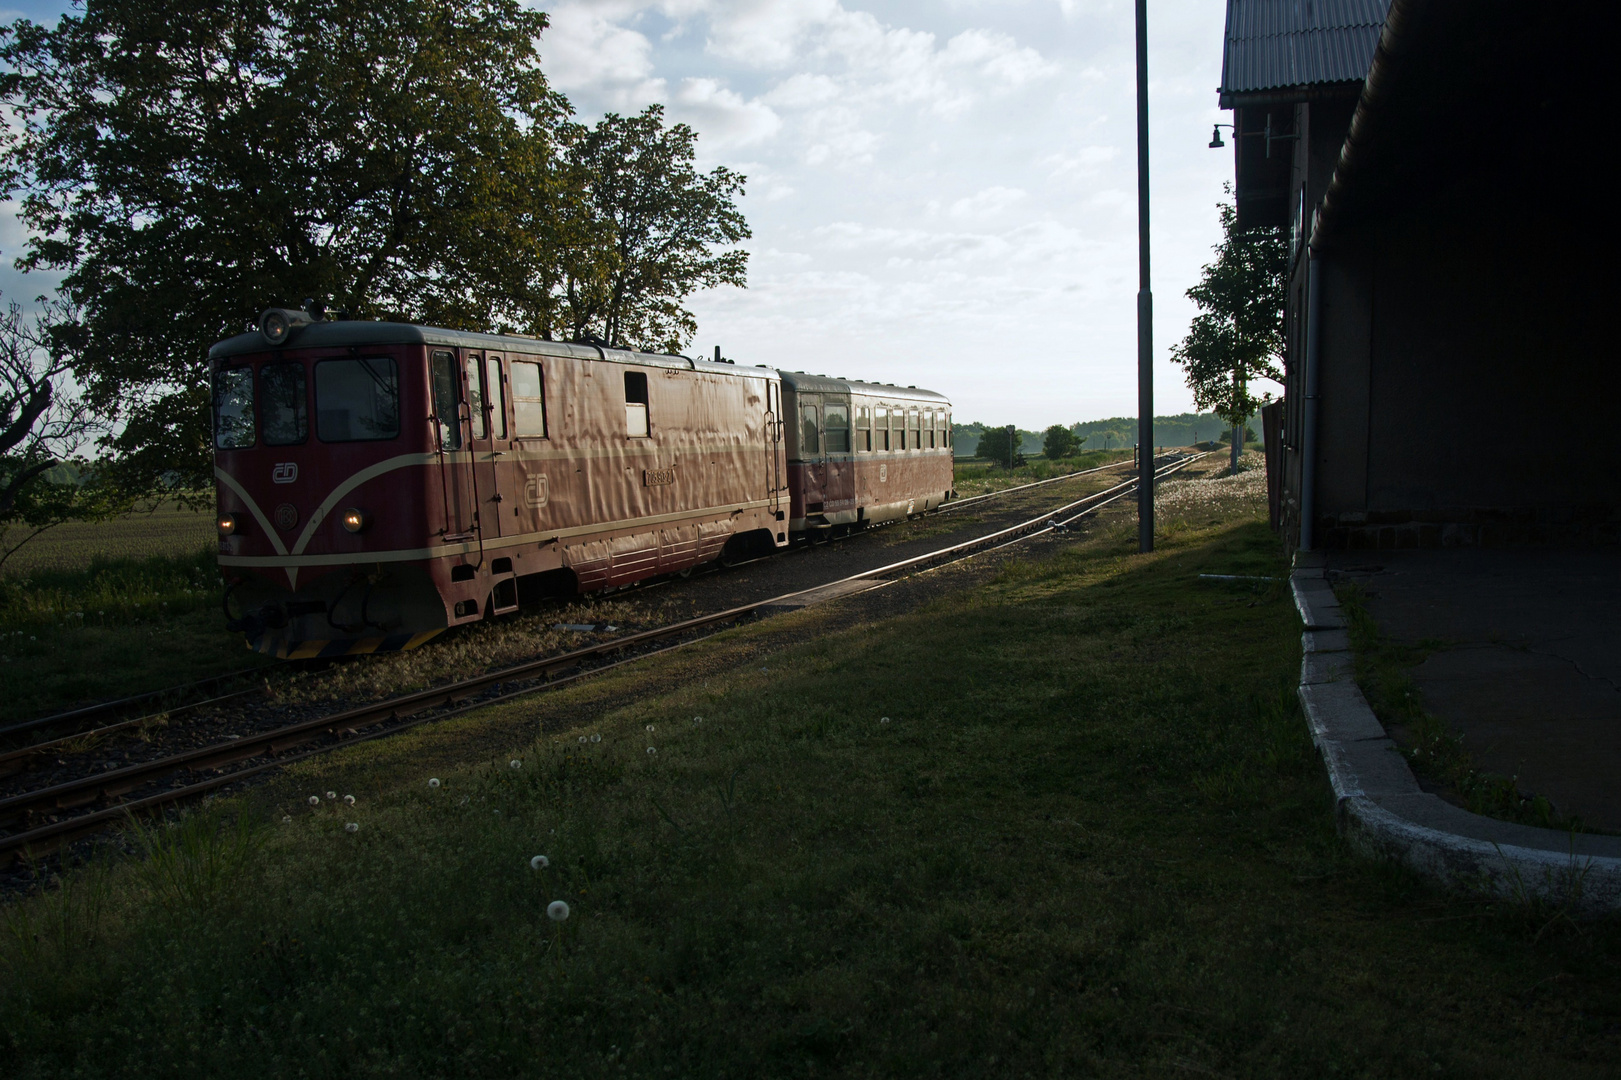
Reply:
x=40, y=819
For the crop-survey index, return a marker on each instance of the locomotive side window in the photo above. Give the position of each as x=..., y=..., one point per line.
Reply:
x=283, y=404
x=837, y=422
x=475, y=396
x=357, y=400
x=233, y=408
x=528, y=400
x=444, y=401
x=864, y=428
x=809, y=431
x=495, y=394
x=636, y=404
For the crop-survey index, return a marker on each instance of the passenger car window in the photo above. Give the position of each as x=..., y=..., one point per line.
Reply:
x=528, y=400
x=864, y=428
x=836, y=419
x=883, y=428
x=445, y=400
x=233, y=408
x=495, y=394
x=283, y=405
x=917, y=431
x=636, y=423
x=357, y=400
x=809, y=438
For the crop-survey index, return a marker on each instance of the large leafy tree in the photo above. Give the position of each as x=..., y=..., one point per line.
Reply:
x=187, y=166
x=1237, y=337
x=666, y=220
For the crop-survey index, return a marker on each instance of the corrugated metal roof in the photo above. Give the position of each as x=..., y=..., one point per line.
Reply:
x=1272, y=44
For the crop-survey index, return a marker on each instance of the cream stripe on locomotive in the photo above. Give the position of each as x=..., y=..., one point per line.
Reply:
x=472, y=546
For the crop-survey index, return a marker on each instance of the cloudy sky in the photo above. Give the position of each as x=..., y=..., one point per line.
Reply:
x=942, y=192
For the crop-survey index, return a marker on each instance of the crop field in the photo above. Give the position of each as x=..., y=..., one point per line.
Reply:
x=1065, y=820
x=167, y=530
x=977, y=477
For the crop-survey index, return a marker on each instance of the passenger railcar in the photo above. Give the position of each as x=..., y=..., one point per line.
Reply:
x=380, y=482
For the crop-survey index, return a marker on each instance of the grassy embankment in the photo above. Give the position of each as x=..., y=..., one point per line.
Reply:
x=90, y=611
x=976, y=476
x=1092, y=838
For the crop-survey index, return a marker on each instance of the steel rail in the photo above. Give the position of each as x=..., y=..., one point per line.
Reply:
x=125, y=702
x=956, y=503
x=404, y=712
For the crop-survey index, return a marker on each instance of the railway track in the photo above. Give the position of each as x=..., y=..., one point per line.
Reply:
x=140, y=710
x=39, y=820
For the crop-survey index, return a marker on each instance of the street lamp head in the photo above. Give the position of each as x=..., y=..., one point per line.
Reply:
x=1215, y=138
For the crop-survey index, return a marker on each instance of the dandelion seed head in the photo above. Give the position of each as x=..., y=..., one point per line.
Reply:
x=351, y=827
x=596, y=738
x=433, y=781
x=649, y=727
x=539, y=862
x=315, y=800
x=350, y=799
x=652, y=749
x=287, y=819
x=514, y=764
x=582, y=738
x=883, y=719
x=557, y=910
x=332, y=795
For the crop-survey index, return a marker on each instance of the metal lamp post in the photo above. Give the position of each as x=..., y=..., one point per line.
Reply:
x=1145, y=303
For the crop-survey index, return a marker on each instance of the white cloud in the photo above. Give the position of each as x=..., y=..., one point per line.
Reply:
x=986, y=203
x=723, y=115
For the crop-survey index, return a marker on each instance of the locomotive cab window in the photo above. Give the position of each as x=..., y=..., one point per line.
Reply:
x=864, y=428
x=636, y=404
x=837, y=423
x=809, y=431
x=445, y=401
x=233, y=408
x=475, y=396
x=283, y=411
x=528, y=400
x=357, y=400
x=496, y=397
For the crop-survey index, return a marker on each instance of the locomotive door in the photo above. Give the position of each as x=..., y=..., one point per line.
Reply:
x=490, y=442
x=811, y=452
x=450, y=434
x=773, y=445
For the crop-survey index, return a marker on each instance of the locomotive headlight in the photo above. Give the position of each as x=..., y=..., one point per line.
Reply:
x=228, y=524
x=276, y=325
x=355, y=520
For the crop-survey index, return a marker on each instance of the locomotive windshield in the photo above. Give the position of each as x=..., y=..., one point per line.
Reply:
x=357, y=400
x=282, y=403
x=233, y=408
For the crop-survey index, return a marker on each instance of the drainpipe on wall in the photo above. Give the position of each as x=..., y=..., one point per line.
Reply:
x=1314, y=352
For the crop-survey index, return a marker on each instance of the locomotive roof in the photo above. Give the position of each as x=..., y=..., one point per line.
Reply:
x=821, y=384
x=362, y=332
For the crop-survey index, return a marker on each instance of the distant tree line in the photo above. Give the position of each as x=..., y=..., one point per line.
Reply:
x=1183, y=429
x=184, y=167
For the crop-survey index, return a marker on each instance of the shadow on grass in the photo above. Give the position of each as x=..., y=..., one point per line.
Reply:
x=1068, y=823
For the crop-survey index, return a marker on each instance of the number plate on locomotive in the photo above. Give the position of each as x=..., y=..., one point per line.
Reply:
x=655, y=477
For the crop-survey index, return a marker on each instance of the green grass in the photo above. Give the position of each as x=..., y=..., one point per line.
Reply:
x=165, y=531
x=112, y=628
x=1092, y=839
x=977, y=476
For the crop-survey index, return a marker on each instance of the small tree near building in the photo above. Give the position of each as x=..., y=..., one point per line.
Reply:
x=1237, y=337
x=1001, y=445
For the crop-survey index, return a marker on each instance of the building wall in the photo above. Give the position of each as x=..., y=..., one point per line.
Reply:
x=1451, y=339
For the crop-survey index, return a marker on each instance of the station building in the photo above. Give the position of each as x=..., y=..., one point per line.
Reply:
x=1452, y=357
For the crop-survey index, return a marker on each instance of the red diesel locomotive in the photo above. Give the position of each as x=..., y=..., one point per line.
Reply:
x=380, y=482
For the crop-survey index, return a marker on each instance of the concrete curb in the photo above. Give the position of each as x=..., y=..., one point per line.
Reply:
x=1382, y=811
